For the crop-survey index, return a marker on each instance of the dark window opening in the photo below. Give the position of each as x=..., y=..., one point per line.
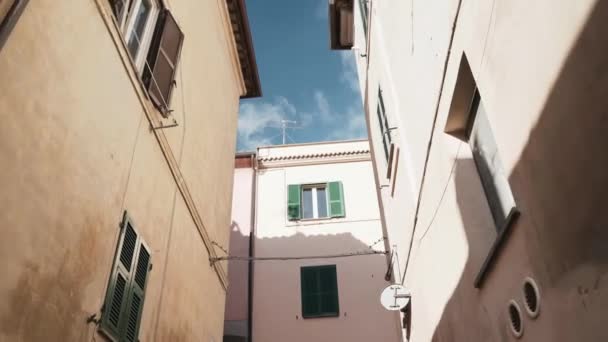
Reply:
x=384, y=126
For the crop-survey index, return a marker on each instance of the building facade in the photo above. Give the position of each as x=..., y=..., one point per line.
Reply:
x=317, y=245
x=116, y=151
x=237, y=318
x=486, y=124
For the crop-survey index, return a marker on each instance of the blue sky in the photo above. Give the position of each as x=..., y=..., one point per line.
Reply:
x=302, y=79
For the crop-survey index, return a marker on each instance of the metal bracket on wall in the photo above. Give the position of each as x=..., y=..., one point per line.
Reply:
x=162, y=126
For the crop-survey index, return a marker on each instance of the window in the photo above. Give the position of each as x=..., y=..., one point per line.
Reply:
x=467, y=121
x=319, y=285
x=154, y=41
x=10, y=10
x=490, y=169
x=139, y=28
x=385, y=131
x=315, y=201
x=120, y=9
x=364, y=13
x=163, y=58
x=121, y=313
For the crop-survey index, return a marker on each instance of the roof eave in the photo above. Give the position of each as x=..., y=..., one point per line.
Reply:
x=244, y=43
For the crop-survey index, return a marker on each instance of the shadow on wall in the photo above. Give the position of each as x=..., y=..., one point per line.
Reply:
x=560, y=185
x=236, y=315
x=360, y=282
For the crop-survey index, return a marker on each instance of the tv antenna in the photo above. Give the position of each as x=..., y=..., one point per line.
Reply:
x=285, y=124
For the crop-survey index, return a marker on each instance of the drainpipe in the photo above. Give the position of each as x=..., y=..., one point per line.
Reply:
x=252, y=234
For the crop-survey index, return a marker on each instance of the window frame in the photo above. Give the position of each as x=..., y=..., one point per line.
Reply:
x=315, y=204
x=152, y=51
x=502, y=227
x=364, y=10
x=383, y=125
x=123, y=16
x=335, y=201
x=318, y=293
x=493, y=196
x=8, y=22
x=129, y=28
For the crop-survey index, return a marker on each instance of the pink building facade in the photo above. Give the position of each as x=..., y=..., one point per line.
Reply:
x=317, y=243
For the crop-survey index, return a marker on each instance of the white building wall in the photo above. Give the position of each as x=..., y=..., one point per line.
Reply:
x=517, y=51
x=277, y=313
x=236, y=315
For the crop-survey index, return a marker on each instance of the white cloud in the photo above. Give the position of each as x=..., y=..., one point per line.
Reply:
x=349, y=71
x=352, y=126
x=255, y=118
x=322, y=107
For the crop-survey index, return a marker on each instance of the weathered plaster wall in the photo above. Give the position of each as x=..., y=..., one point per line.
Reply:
x=539, y=68
x=76, y=150
x=277, y=314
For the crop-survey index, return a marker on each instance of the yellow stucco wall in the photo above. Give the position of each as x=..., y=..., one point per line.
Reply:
x=76, y=151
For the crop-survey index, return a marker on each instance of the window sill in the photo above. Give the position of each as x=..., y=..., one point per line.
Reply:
x=487, y=265
x=335, y=314
x=308, y=221
x=314, y=219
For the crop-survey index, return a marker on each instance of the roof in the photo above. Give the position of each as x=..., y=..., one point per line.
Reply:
x=316, y=155
x=313, y=153
x=244, y=45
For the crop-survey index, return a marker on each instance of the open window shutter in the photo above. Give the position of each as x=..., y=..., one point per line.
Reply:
x=163, y=57
x=118, y=289
x=136, y=296
x=336, y=199
x=309, y=286
x=293, y=202
x=118, y=8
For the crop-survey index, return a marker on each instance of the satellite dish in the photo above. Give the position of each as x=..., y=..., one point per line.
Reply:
x=395, y=297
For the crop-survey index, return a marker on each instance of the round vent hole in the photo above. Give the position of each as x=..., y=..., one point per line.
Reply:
x=531, y=297
x=515, y=321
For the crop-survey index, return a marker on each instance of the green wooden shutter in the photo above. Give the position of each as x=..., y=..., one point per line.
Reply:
x=319, y=285
x=136, y=296
x=118, y=288
x=123, y=306
x=336, y=199
x=309, y=287
x=293, y=202
x=328, y=286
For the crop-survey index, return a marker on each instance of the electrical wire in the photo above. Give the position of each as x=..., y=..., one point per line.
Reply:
x=243, y=258
x=437, y=207
x=445, y=188
x=220, y=247
x=330, y=256
x=430, y=142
